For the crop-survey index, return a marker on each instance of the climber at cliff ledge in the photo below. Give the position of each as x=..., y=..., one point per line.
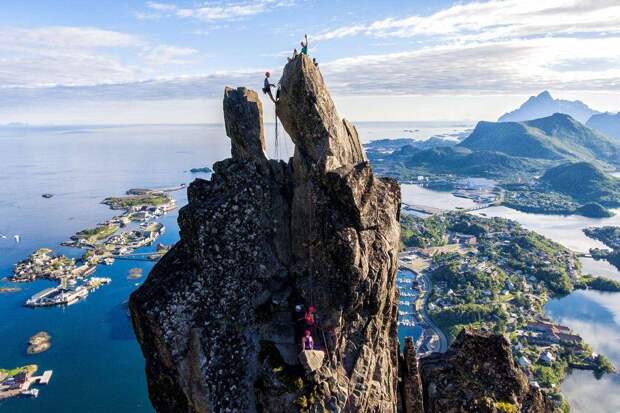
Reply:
x=307, y=342
x=267, y=86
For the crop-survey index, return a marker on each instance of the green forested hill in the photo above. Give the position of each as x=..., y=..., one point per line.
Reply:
x=583, y=182
x=557, y=138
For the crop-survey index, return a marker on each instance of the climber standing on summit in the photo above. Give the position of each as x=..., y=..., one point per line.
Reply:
x=267, y=87
x=304, y=45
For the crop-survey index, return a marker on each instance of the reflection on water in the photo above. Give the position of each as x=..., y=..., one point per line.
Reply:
x=414, y=130
x=599, y=267
x=596, y=317
x=566, y=230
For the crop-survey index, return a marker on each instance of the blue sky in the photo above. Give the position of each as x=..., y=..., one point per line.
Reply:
x=168, y=61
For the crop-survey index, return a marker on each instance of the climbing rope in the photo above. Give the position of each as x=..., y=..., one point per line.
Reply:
x=276, y=145
x=310, y=232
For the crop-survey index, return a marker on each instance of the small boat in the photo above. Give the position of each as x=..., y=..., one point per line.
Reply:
x=47, y=196
x=17, y=238
x=34, y=393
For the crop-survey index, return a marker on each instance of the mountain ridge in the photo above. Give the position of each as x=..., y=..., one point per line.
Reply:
x=554, y=138
x=607, y=123
x=543, y=105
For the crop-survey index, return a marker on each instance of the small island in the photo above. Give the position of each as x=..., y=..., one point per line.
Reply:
x=152, y=198
x=204, y=169
x=39, y=343
x=135, y=273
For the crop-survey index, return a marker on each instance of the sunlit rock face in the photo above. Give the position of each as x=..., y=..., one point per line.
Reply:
x=478, y=374
x=216, y=316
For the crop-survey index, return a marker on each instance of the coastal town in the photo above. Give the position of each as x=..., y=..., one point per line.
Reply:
x=116, y=238
x=462, y=271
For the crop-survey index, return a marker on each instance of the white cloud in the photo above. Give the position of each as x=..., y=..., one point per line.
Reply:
x=211, y=12
x=496, y=19
x=191, y=87
x=65, y=55
x=482, y=48
x=163, y=54
x=64, y=38
x=490, y=67
x=513, y=67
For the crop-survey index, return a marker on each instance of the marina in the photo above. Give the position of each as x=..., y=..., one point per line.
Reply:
x=66, y=294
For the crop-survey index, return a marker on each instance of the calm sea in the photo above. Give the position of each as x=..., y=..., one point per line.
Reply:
x=96, y=361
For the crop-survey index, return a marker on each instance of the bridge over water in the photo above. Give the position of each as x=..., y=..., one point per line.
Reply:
x=435, y=211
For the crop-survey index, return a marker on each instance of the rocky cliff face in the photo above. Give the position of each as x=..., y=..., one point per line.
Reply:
x=216, y=318
x=478, y=374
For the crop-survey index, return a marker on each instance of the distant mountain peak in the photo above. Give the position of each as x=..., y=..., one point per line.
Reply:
x=544, y=105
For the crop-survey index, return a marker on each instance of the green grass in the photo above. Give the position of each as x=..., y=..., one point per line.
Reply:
x=598, y=283
x=550, y=376
x=12, y=372
x=135, y=200
x=584, y=182
x=98, y=233
x=506, y=407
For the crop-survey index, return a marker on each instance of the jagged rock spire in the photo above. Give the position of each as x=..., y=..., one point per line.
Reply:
x=310, y=118
x=243, y=116
x=215, y=316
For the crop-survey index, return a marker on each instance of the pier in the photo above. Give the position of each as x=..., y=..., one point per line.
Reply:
x=45, y=377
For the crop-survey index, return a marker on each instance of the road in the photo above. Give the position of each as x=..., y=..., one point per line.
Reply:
x=428, y=285
x=443, y=340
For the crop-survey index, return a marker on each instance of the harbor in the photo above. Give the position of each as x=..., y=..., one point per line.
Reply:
x=103, y=245
x=65, y=293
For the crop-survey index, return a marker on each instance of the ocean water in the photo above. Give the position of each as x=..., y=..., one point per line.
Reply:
x=97, y=363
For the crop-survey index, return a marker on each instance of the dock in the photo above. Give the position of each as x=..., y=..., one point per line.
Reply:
x=45, y=377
